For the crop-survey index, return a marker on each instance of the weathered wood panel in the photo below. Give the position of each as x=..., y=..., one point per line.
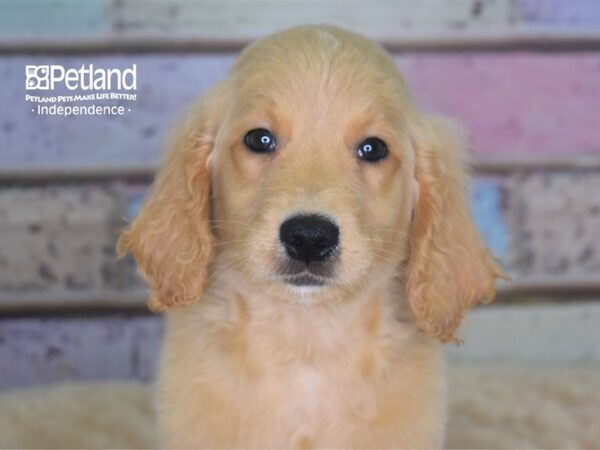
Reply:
x=166, y=84
x=47, y=18
x=244, y=20
x=61, y=239
x=58, y=240
x=515, y=106
x=52, y=350
x=487, y=206
x=574, y=14
x=565, y=333
x=235, y=20
x=555, y=224
x=37, y=351
x=111, y=25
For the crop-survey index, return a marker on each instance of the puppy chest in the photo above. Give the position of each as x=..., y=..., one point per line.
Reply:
x=307, y=388
x=307, y=401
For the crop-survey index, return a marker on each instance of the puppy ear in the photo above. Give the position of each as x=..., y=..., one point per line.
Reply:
x=450, y=268
x=170, y=238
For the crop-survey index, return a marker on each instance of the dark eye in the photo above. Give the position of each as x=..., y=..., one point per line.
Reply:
x=372, y=150
x=260, y=140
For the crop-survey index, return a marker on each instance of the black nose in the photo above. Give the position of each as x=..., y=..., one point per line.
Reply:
x=309, y=238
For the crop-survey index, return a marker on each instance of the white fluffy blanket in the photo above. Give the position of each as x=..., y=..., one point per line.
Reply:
x=490, y=407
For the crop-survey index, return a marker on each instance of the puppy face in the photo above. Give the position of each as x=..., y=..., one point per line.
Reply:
x=309, y=176
x=317, y=165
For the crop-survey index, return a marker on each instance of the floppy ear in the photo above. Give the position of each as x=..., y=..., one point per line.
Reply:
x=170, y=238
x=450, y=268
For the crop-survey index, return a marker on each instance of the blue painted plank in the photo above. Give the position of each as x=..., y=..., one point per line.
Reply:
x=575, y=14
x=486, y=206
x=135, y=197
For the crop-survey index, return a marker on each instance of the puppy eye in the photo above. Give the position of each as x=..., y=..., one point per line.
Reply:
x=372, y=150
x=260, y=140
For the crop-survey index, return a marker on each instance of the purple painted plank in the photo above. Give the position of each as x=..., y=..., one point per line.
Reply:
x=43, y=351
x=514, y=104
x=165, y=85
x=574, y=14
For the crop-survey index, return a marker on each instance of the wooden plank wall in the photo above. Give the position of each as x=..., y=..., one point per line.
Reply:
x=523, y=76
x=517, y=106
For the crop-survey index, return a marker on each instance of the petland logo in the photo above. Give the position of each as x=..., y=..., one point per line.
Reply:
x=83, y=91
x=86, y=78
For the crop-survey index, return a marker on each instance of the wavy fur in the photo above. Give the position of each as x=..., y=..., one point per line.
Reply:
x=354, y=363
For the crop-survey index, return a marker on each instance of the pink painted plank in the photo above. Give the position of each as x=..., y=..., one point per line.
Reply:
x=514, y=104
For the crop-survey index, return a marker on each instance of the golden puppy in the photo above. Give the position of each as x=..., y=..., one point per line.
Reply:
x=315, y=226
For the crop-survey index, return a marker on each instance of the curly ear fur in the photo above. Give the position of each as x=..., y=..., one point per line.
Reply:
x=450, y=268
x=170, y=238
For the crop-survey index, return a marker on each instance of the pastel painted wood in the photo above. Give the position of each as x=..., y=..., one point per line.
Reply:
x=486, y=207
x=233, y=23
x=41, y=351
x=244, y=20
x=573, y=14
x=59, y=240
x=515, y=105
x=40, y=18
x=53, y=350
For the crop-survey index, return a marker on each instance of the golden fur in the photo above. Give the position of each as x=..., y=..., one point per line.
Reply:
x=253, y=362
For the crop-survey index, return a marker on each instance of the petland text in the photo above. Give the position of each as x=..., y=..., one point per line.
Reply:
x=87, y=77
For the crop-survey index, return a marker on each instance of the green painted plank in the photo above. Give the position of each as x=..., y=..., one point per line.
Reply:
x=32, y=18
x=238, y=19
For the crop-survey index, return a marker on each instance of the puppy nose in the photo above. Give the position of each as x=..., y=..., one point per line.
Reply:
x=309, y=238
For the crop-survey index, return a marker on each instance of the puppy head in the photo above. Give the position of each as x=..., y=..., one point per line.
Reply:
x=308, y=176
